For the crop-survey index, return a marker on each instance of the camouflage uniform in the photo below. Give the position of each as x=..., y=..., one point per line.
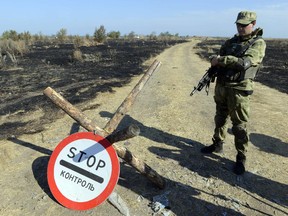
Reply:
x=234, y=87
x=237, y=66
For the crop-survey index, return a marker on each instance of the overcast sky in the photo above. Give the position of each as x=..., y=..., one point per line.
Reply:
x=185, y=17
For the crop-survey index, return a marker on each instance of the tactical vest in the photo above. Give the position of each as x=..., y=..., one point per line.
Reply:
x=238, y=49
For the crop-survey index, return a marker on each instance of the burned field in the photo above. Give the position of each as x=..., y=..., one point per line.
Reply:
x=99, y=69
x=275, y=64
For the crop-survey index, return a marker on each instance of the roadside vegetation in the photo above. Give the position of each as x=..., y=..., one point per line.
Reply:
x=14, y=45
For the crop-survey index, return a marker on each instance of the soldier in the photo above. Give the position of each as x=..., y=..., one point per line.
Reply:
x=238, y=62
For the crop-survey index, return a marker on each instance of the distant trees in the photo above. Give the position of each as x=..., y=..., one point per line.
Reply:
x=100, y=34
x=131, y=35
x=62, y=35
x=152, y=36
x=114, y=35
x=10, y=35
x=13, y=44
x=13, y=35
x=167, y=36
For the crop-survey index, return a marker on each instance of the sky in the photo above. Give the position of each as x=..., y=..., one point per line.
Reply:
x=143, y=17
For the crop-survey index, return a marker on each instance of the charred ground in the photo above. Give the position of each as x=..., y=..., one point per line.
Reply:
x=101, y=68
x=174, y=127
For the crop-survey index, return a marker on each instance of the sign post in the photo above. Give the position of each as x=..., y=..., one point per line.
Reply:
x=83, y=171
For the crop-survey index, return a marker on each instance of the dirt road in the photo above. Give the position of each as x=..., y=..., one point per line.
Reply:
x=174, y=126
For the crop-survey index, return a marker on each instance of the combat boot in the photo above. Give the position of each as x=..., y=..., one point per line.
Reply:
x=239, y=167
x=217, y=147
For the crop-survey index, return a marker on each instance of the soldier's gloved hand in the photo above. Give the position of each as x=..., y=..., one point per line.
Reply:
x=211, y=57
x=214, y=60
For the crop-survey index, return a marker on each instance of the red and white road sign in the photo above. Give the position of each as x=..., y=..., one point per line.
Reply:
x=83, y=171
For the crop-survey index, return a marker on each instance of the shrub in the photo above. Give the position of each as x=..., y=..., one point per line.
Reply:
x=100, y=34
x=25, y=36
x=11, y=48
x=77, y=55
x=78, y=41
x=13, y=35
x=114, y=34
x=62, y=35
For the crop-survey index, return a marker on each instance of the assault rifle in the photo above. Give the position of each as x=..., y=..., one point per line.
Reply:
x=208, y=77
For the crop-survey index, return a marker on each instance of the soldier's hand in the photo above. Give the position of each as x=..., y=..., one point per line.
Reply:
x=214, y=60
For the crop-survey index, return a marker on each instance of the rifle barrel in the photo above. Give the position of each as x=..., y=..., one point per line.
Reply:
x=194, y=90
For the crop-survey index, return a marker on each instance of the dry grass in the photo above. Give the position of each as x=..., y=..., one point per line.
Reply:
x=77, y=55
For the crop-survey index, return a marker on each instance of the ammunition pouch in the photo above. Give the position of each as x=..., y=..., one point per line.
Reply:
x=231, y=76
x=237, y=75
x=243, y=64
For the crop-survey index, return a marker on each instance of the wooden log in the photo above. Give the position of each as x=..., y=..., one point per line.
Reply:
x=131, y=159
x=128, y=102
x=73, y=112
x=123, y=153
x=140, y=166
x=126, y=133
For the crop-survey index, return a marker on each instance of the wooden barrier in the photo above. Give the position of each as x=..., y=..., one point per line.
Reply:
x=109, y=130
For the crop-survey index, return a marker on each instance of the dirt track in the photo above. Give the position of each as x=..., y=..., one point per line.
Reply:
x=174, y=126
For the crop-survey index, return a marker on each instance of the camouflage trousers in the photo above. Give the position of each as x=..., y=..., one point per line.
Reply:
x=232, y=103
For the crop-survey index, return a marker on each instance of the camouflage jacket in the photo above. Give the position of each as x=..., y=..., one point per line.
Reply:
x=240, y=60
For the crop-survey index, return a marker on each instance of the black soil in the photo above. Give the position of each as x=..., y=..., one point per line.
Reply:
x=103, y=67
